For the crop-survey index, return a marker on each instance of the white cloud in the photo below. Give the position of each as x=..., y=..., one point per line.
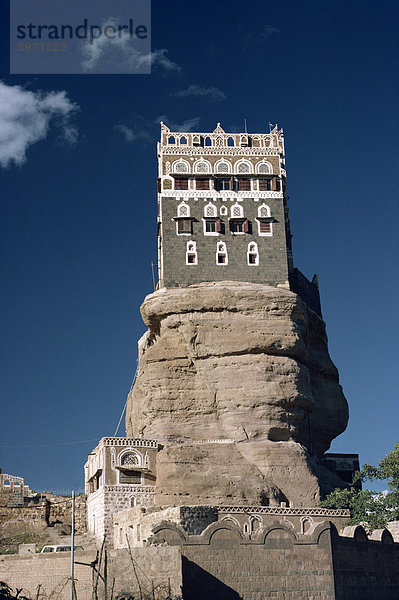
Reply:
x=131, y=134
x=159, y=58
x=211, y=93
x=142, y=129
x=120, y=51
x=187, y=125
x=25, y=118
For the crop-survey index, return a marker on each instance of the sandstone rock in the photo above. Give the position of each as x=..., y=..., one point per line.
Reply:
x=242, y=362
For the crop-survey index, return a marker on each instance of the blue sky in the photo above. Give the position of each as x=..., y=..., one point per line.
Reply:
x=79, y=209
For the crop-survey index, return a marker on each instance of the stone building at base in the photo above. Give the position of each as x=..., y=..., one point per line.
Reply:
x=119, y=473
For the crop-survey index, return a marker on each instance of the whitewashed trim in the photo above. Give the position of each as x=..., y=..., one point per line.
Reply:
x=256, y=195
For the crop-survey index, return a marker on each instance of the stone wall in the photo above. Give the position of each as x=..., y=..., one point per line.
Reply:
x=147, y=572
x=307, y=290
x=60, y=510
x=393, y=527
x=50, y=572
x=136, y=525
x=365, y=569
x=31, y=518
x=272, y=268
x=221, y=563
x=37, y=515
x=102, y=504
x=278, y=563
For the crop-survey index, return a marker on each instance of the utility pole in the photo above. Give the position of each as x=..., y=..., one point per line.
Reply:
x=73, y=547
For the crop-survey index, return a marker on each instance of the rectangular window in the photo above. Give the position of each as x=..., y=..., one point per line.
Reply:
x=237, y=226
x=184, y=226
x=202, y=184
x=244, y=185
x=252, y=259
x=222, y=184
x=265, y=185
x=221, y=259
x=210, y=226
x=265, y=227
x=191, y=259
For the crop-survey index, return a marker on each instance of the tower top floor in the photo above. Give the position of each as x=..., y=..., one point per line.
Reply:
x=221, y=142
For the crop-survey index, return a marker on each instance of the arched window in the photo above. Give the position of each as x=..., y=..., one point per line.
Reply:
x=264, y=211
x=222, y=166
x=183, y=140
x=253, y=254
x=264, y=167
x=306, y=524
x=191, y=253
x=202, y=166
x=264, y=220
x=237, y=210
x=197, y=140
x=255, y=524
x=180, y=166
x=230, y=141
x=171, y=140
x=223, y=211
x=208, y=141
x=243, y=168
x=130, y=459
x=183, y=210
x=210, y=210
x=221, y=254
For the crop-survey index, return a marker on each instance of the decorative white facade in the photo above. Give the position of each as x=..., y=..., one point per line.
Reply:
x=120, y=473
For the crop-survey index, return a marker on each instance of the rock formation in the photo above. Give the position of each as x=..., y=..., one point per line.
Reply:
x=236, y=382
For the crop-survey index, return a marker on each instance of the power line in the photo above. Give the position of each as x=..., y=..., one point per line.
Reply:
x=49, y=445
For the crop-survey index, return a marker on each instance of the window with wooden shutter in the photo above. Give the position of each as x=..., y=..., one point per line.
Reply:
x=245, y=226
x=181, y=184
x=244, y=185
x=265, y=227
x=265, y=185
x=202, y=184
x=184, y=226
x=218, y=225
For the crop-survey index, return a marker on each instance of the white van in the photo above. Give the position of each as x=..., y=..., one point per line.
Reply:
x=59, y=548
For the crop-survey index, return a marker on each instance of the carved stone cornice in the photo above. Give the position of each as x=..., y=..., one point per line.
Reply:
x=233, y=196
x=219, y=151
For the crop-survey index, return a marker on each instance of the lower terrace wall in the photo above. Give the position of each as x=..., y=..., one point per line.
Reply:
x=221, y=563
x=49, y=571
x=365, y=569
x=149, y=573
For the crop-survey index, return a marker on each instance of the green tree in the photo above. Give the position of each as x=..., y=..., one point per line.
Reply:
x=371, y=509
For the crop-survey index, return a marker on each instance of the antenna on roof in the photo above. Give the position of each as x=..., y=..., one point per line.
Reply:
x=245, y=126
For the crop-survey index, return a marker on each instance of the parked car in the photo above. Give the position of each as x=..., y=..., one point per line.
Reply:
x=59, y=548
